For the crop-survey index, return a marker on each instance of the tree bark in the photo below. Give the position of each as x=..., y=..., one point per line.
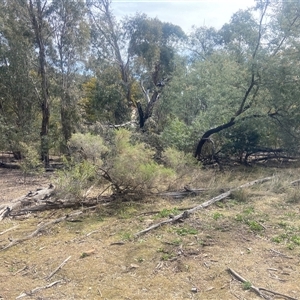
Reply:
x=37, y=22
x=208, y=133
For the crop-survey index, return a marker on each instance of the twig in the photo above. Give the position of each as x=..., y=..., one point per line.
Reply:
x=38, y=230
x=39, y=288
x=9, y=229
x=58, y=268
x=19, y=271
x=278, y=294
x=295, y=182
x=281, y=254
x=90, y=233
x=258, y=289
x=252, y=287
x=186, y=213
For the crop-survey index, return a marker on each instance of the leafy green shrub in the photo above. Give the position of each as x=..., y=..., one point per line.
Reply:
x=132, y=167
x=87, y=146
x=75, y=178
x=178, y=135
x=186, y=231
x=127, y=166
x=31, y=163
x=167, y=212
x=177, y=160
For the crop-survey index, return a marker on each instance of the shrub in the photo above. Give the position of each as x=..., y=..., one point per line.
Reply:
x=133, y=168
x=128, y=167
x=75, y=178
x=31, y=163
x=178, y=135
x=87, y=146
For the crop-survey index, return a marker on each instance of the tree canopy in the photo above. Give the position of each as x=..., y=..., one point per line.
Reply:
x=66, y=66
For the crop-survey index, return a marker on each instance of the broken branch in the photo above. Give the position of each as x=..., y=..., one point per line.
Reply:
x=258, y=289
x=58, y=268
x=38, y=230
x=186, y=213
x=38, y=288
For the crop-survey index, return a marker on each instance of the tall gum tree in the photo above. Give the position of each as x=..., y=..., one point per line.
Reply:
x=252, y=78
x=70, y=30
x=246, y=72
x=18, y=99
x=37, y=12
x=142, y=49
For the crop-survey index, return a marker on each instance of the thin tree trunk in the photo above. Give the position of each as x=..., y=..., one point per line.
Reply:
x=37, y=23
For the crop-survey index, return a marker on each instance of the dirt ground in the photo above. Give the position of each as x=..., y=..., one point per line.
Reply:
x=256, y=233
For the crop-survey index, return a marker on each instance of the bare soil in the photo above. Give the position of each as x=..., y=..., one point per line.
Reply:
x=256, y=233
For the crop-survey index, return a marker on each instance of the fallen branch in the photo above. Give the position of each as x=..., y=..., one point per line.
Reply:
x=9, y=229
x=38, y=230
x=281, y=254
x=258, y=290
x=30, y=293
x=295, y=182
x=58, y=268
x=31, y=199
x=186, y=213
x=185, y=193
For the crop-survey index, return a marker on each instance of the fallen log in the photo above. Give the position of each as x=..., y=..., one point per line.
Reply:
x=31, y=199
x=188, y=212
x=9, y=166
x=44, y=199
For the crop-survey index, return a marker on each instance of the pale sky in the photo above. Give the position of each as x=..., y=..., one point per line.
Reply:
x=211, y=13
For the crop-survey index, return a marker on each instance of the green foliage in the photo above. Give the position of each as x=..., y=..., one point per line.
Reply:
x=254, y=225
x=167, y=212
x=80, y=171
x=30, y=163
x=177, y=160
x=75, y=178
x=182, y=231
x=104, y=98
x=176, y=134
x=128, y=167
x=88, y=146
x=247, y=285
x=133, y=167
x=217, y=215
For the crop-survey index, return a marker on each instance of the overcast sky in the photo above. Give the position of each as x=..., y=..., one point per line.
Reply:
x=184, y=13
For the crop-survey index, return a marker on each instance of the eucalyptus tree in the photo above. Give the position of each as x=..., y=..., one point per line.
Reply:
x=32, y=15
x=140, y=48
x=19, y=102
x=243, y=80
x=69, y=44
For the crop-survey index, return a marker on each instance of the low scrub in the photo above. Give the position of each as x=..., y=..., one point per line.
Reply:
x=125, y=166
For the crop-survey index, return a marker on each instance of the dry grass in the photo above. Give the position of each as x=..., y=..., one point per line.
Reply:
x=247, y=232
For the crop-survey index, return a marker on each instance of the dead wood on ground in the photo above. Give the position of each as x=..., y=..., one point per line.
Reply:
x=30, y=293
x=258, y=290
x=188, y=212
x=39, y=230
x=46, y=199
x=58, y=268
